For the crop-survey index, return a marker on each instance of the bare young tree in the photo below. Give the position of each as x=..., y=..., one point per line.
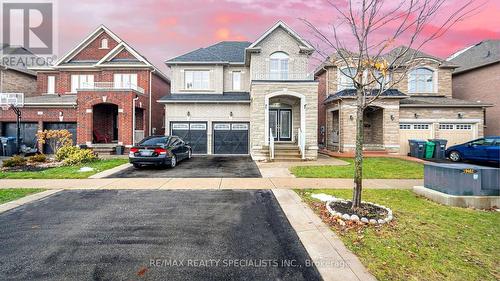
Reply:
x=363, y=39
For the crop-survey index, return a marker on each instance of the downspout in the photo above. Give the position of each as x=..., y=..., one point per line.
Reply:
x=133, y=119
x=150, y=103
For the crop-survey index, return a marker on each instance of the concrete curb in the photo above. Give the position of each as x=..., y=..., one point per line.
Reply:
x=27, y=199
x=111, y=171
x=332, y=259
x=478, y=202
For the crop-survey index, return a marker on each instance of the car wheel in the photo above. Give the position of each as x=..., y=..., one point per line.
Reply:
x=137, y=166
x=190, y=154
x=173, y=161
x=455, y=156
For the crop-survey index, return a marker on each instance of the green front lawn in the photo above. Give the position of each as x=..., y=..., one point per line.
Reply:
x=426, y=241
x=10, y=194
x=373, y=168
x=65, y=172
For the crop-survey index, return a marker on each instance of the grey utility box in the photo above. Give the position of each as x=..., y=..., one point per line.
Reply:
x=462, y=179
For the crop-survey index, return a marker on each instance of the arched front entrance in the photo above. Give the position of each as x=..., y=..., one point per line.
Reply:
x=285, y=115
x=105, y=123
x=373, y=122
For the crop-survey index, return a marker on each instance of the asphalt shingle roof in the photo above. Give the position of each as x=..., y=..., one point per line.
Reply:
x=481, y=54
x=225, y=97
x=351, y=93
x=51, y=100
x=225, y=51
x=436, y=101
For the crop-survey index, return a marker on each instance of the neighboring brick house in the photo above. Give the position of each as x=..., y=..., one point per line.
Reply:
x=478, y=79
x=99, y=91
x=420, y=106
x=246, y=97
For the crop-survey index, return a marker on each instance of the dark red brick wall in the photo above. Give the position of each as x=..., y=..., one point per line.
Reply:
x=160, y=88
x=93, y=51
x=124, y=54
x=321, y=107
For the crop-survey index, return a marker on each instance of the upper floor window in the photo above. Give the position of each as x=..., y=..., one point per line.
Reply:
x=421, y=80
x=278, y=66
x=125, y=80
x=197, y=80
x=236, y=80
x=51, y=84
x=81, y=82
x=104, y=44
x=346, y=76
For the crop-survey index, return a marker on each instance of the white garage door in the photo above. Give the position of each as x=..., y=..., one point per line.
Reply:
x=409, y=131
x=456, y=133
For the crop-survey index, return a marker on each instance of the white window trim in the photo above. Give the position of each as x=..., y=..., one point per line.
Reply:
x=340, y=74
x=79, y=81
x=51, y=90
x=280, y=56
x=233, y=84
x=193, y=88
x=104, y=46
x=434, y=80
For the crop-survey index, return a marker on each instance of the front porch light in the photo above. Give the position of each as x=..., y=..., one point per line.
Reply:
x=188, y=114
x=460, y=115
x=351, y=117
x=416, y=115
x=231, y=114
x=392, y=117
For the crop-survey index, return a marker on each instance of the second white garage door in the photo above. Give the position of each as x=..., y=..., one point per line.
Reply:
x=456, y=133
x=409, y=131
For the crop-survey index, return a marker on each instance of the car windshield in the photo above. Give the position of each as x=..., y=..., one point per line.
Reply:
x=154, y=141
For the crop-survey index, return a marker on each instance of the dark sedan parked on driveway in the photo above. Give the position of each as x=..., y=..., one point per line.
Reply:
x=484, y=149
x=159, y=150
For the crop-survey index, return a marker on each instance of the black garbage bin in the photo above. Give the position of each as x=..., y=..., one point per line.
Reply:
x=417, y=148
x=9, y=146
x=439, y=151
x=120, y=149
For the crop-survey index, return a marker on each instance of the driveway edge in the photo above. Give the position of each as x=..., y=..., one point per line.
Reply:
x=332, y=259
x=109, y=172
x=27, y=199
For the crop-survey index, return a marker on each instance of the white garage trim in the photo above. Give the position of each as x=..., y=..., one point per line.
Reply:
x=440, y=120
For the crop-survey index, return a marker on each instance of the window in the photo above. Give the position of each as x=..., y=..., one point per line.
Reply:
x=405, y=126
x=278, y=66
x=154, y=141
x=421, y=126
x=421, y=80
x=51, y=84
x=345, y=78
x=81, y=82
x=104, y=44
x=197, y=80
x=125, y=81
x=446, y=126
x=463, y=127
x=236, y=80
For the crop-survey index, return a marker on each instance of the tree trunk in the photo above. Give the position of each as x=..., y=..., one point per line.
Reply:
x=358, y=158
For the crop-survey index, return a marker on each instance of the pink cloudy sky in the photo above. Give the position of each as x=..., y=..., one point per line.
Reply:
x=162, y=29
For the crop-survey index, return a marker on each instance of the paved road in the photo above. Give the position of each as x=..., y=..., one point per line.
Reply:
x=199, y=167
x=151, y=235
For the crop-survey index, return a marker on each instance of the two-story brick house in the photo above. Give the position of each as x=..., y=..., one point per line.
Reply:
x=253, y=98
x=420, y=106
x=102, y=90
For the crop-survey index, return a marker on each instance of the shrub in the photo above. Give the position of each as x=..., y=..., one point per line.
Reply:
x=65, y=152
x=14, y=161
x=55, y=138
x=37, y=158
x=80, y=156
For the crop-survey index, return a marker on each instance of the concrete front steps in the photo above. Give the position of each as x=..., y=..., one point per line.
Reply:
x=104, y=148
x=285, y=152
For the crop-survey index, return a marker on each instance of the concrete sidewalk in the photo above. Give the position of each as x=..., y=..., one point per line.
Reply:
x=205, y=183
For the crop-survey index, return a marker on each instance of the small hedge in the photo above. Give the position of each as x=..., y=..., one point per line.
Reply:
x=72, y=155
x=37, y=158
x=14, y=161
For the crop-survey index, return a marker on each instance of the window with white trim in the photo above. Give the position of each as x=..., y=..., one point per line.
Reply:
x=463, y=126
x=81, y=82
x=345, y=78
x=51, y=84
x=405, y=126
x=236, y=80
x=196, y=79
x=278, y=66
x=421, y=126
x=104, y=44
x=125, y=81
x=421, y=80
x=446, y=126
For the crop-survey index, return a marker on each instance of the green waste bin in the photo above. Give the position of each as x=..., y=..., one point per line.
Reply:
x=429, y=149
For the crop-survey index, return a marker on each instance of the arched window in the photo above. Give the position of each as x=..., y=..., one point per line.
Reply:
x=104, y=43
x=345, y=78
x=421, y=80
x=278, y=66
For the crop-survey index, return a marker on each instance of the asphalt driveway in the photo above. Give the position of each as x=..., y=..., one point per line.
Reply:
x=198, y=167
x=152, y=235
